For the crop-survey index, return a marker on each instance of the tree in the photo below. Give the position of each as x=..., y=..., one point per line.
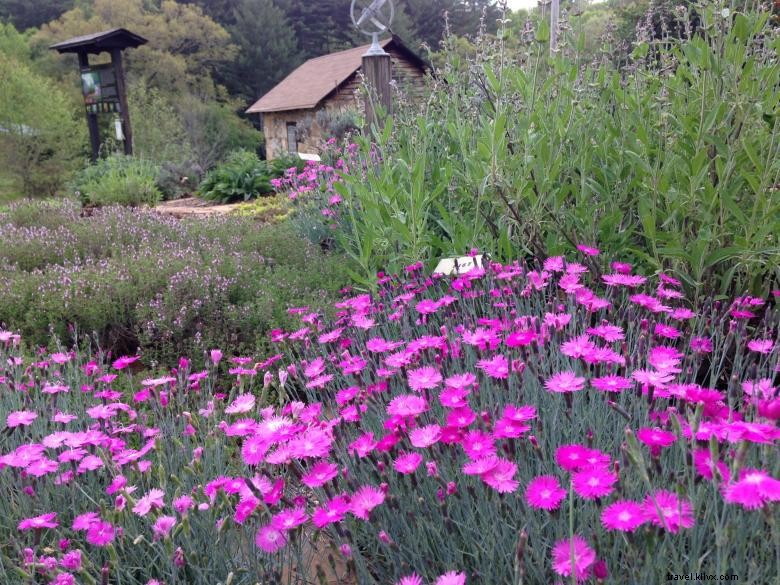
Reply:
x=40, y=141
x=267, y=49
x=185, y=46
x=24, y=14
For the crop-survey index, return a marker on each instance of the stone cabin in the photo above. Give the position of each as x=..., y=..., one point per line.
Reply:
x=293, y=111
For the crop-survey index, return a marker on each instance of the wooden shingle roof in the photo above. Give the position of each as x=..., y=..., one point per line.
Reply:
x=116, y=38
x=317, y=78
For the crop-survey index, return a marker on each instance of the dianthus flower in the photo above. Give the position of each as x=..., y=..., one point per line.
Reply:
x=407, y=462
x=675, y=512
x=583, y=557
x=407, y=405
x=564, y=382
x=424, y=378
x=624, y=516
x=162, y=526
x=366, y=499
x=269, y=539
x=594, y=482
x=38, y=522
x=426, y=436
x=753, y=490
x=611, y=383
x=320, y=474
x=544, y=493
x=100, y=533
x=451, y=578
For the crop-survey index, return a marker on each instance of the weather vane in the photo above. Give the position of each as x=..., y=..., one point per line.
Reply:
x=372, y=12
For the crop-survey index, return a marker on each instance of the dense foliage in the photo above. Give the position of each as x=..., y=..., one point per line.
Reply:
x=672, y=160
x=514, y=424
x=243, y=176
x=136, y=279
x=118, y=180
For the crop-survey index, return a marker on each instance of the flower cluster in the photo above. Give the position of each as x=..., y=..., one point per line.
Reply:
x=513, y=420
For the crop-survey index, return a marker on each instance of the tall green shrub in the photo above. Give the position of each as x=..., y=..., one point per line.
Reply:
x=672, y=161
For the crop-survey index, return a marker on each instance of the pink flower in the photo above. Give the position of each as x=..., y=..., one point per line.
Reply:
x=620, y=279
x=20, y=418
x=407, y=462
x=407, y=405
x=501, y=477
x=100, y=533
x=242, y=403
x=656, y=438
x=216, y=356
x=495, y=367
x=611, y=383
x=675, y=512
x=84, y=521
x=424, y=378
x=588, y=250
x=320, y=474
x=289, y=518
x=333, y=511
x=124, y=361
x=71, y=560
x=564, y=382
x=451, y=578
x=624, y=516
x=607, y=332
x=254, y=449
x=575, y=457
x=413, y=579
x=761, y=345
x=183, y=503
x=701, y=345
x=38, y=522
x=478, y=444
x=269, y=539
x=544, y=493
x=162, y=526
x=426, y=436
x=593, y=483
x=366, y=499
x=754, y=489
x=152, y=500
x=576, y=550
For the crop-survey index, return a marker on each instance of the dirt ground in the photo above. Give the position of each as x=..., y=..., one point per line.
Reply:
x=193, y=207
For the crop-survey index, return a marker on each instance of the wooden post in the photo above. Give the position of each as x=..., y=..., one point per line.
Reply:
x=378, y=71
x=92, y=119
x=121, y=89
x=555, y=15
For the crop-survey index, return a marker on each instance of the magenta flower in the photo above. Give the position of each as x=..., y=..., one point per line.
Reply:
x=594, y=482
x=478, y=444
x=242, y=403
x=576, y=550
x=544, y=493
x=124, y=361
x=451, y=578
x=413, y=579
x=495, y=367
x=565, y=382
x=575, y=457
x=254, y=449
x=407, y=405
x=426, y=436
x=675, y=512
x=761, y=345
x=407, y=462
x=502, y=477
x=183, y=504
x=289, y=518
x=332, y=512
x=624, y=516
x=424, y=378
x=162, y=527
x=656, y=439
x=152, y=500
x=101, y=533
x=701, y=345
x=366, y=499
x=38, y=522
x=620, y=279
x=20, y=418
x=269, y=539
x=320, y=474
x=611, y=383
x=753, y=490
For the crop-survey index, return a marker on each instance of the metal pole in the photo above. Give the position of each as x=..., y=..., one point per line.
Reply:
x=555, y=14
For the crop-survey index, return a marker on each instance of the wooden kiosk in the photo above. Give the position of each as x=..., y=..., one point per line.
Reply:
x=104, y=86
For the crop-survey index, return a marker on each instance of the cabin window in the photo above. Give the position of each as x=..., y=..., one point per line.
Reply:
x=292, y=138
